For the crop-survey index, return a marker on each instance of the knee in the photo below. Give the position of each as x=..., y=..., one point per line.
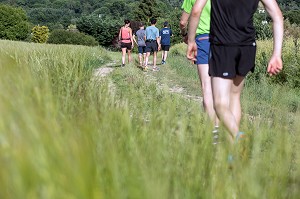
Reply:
x=208, y=102
x=219, y=105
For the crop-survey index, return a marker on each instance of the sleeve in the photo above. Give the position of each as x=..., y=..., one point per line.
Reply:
x=157, y=33
x=187, y=6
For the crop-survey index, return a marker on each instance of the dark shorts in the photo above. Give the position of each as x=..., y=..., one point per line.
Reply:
x=165, y=47
x=203, y=47
x=151, y=46
x=229, y=61
x=142, y=49
x=126, y=45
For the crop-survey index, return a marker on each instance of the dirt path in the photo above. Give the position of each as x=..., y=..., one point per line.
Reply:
x=104, y=70
x=108, y=68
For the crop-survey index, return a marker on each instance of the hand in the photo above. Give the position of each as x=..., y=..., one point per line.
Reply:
x=191, y=52
x=275, y=65
x=159, y=47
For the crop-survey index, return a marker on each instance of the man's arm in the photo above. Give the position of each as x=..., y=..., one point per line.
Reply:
x=158, y=41
x=193, y=24
x=275, y=63
x=183, y=23
x=133, y=37
x=183, y=26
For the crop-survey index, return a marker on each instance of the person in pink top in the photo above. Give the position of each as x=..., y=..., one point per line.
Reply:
x=125, y=36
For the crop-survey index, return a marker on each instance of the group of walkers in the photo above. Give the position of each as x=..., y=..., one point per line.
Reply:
x=221, y=41
x=149, y=40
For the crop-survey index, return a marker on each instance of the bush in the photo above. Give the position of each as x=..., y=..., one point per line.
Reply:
x=40, y=34
x=293, y=16
x=262, y=27
x=13, y=23
x=103, y=29
x=68, y=37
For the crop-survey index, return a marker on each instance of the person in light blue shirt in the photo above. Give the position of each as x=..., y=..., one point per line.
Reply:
x=152, y=44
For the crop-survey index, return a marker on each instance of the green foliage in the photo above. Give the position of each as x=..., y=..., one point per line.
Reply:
x=104, y=29
x=290, y=75
x=293, y=16
x=50, y=16
x=146, y=10
x=13, y=23
x=66, y=134
x=71, y=37
x=262, y=26
x=40, y=34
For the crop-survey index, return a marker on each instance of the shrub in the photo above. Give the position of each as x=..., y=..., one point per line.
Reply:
x=293, y=16
x=13, y=23
x=40, y=34
x=262, y=27
x=68, y=37
x=104, y=29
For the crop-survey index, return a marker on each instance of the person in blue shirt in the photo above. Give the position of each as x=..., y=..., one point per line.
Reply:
x=165, y=34
x=152, y=44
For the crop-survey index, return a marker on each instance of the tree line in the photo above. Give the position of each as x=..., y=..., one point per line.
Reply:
x=102, y=19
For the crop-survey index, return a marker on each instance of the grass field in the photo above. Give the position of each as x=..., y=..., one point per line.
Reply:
x=65, y=134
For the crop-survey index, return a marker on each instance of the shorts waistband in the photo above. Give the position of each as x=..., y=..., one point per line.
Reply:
x=235, y=44
x=201, y=37
x=150, y=40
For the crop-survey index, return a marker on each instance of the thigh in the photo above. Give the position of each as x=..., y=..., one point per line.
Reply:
x=247, y=60
x=223, y=61
x=237, y=85
x=165, y=47
x=221, y=89
x=144, y=49
x=203, y=48
x=148, y=48
x=140, y=49
x=128, y=46
x=154, y=46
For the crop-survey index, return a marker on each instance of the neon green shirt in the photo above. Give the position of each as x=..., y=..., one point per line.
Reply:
x=204, y=23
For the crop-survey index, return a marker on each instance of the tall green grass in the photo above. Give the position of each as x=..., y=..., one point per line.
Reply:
x=64, y=134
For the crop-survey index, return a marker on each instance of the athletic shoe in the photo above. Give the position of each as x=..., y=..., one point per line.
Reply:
x=239, y=136
x=145, y=68
x=215, y=135
x=155, y=68
x=163, y=62
x=123, y=65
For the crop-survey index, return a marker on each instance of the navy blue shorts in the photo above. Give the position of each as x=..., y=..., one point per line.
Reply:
x=142, y=49
x=230, y=61
x=203, y=47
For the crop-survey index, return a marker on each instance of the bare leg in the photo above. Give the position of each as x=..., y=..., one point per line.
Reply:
x=141, y=59
x=129, y=56
x=208, y=104
x=165, y=55
x=123, y=55
x=222, y=95
x=144, y=61
x=147, y=58
x=154, y=58
x=235, y=98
